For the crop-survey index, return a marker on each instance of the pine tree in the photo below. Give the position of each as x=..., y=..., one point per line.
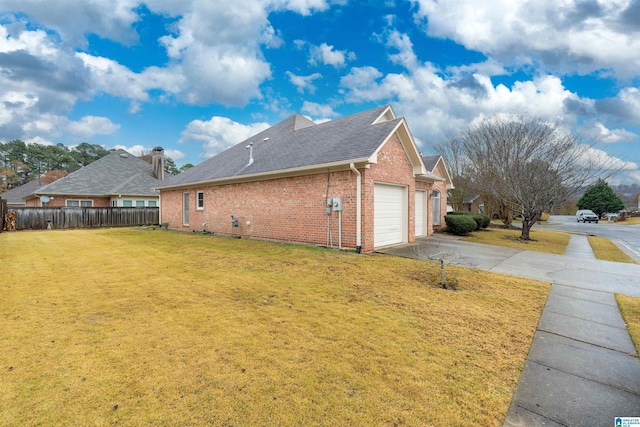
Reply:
x=600, y=199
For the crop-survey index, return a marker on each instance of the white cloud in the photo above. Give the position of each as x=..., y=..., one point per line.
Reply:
x=304, y=7
x=72, y=19
x=403, y=45
x=111, y=77
x=304, y=83
x=324, y=112
x=89, y=126
x=568, y=36
x=600, y=132
x=327, y=55
x=219, y=133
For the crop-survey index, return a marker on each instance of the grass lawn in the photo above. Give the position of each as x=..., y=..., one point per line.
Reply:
x=629, y=221
x=630, y=309
x=553, y=242
x=141, y=327
x=604, y=249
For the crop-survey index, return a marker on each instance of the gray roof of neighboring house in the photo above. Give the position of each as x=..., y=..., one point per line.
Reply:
x=295, y=143
x=471, y=198
x=15, y=195
x=116, y=173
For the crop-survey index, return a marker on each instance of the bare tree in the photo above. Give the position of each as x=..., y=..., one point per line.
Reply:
x=527, y=164
x=459, y=168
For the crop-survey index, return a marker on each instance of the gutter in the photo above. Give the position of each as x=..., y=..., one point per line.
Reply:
x=358, y=207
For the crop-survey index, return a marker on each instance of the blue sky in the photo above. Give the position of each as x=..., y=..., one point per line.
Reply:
x=198, y=76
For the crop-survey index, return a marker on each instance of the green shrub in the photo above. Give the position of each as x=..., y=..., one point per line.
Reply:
x=460, y=224
x=482, y=221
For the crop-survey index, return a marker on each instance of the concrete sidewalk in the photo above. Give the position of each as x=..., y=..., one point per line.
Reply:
x=582, y=368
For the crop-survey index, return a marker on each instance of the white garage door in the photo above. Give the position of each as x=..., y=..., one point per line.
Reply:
x=421, y=213
x=388, y=215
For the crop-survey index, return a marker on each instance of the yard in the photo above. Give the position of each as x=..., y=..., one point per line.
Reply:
x=142, y=327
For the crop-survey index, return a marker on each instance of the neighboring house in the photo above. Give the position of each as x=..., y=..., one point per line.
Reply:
x=118, y=179
x=15, y=196
x=355, y=182
x=473, y=203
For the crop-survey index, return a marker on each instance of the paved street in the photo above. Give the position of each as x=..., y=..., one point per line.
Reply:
x=625, y=236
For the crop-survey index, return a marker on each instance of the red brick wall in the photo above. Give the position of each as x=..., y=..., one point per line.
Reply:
x=289, y=209
x=60, y=201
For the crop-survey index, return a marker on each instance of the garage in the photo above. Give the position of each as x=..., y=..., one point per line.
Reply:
x=421, y=213
x=389, y=215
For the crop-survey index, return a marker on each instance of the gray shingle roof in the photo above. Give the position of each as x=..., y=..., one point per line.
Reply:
x=295, y=143
x=15, y=195
x=116, y=173
x=430, y=162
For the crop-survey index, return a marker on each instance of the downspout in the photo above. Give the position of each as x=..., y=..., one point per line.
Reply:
x=358, y=207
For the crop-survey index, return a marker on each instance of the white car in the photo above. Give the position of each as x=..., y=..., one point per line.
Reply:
x=586, y=215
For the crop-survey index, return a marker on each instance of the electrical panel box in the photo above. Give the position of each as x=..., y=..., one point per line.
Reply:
x=337, y=203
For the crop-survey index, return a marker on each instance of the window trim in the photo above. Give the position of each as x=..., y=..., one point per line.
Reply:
x=79, y=201
x=199, y=201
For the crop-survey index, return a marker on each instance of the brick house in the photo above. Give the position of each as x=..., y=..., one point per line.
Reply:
x=119, y=179
x=15, y=196
x=355, y=182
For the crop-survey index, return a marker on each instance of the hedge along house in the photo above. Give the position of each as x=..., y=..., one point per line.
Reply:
x=118, y=179
x=355, y=182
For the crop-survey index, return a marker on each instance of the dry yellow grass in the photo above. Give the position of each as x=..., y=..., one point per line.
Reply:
x=605, y=250
x=553, y=242
x=629, y=221
x=139, y=327
x=630, y=309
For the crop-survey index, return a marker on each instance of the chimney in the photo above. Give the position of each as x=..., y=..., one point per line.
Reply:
x=157, y=163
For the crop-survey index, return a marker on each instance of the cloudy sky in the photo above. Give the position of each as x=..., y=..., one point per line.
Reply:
x=197, y=76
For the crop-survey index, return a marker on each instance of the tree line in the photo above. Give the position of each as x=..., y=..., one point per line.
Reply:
x=21, y=162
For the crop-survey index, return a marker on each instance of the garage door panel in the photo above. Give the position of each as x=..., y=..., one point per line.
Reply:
x=389, y=214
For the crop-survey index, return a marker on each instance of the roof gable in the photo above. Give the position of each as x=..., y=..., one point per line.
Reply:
x=435, y=164
x=117, y=173
x=297, y=143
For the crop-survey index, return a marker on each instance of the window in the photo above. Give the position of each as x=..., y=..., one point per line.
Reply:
x=152, y=204
x=127, y=203
x=185, y=208
x=70, y=203
x=435, y=205
x=114, y=203
x=139, y=203
x=200, y=200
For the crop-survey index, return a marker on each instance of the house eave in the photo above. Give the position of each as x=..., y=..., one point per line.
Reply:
x=305, y=170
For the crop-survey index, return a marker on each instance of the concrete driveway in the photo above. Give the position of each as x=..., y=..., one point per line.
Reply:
x=582, y=368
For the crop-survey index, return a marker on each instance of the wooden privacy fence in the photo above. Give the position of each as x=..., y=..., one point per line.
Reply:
x=64, y=218
x=3, y=211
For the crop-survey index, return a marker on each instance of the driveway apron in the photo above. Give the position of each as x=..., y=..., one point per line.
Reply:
x=582, y=368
